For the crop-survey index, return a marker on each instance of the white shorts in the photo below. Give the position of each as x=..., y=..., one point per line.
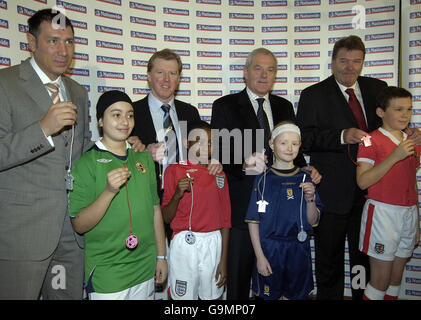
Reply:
x=142, y=291
x=192, y=267
x=388, y=230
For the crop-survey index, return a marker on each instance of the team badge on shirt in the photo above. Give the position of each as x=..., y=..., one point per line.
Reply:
x=379, y=248
x=180, y=287
x=266, y=290
x=140, y=167
x=290, y=194
x=220, y=180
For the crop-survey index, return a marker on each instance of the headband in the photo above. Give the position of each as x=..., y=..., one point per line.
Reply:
x=288, y=127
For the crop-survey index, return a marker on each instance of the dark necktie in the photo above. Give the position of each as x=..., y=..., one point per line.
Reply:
x=264, y=124
x=171, y=144
x=355, y=106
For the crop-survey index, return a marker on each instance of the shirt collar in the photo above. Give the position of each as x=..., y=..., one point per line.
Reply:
x=101, y=146
x=392, y=137
x=155, y=104
x=253, y=96
x=41, y=74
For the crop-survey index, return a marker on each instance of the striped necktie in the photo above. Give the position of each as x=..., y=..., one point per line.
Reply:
x=53, y=89
x=171, y=143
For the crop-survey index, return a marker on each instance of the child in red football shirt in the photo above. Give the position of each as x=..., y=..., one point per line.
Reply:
x=197, y=206
x=387, y=167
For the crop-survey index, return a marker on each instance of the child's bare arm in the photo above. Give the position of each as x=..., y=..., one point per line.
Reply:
x=313, y=214
x=168, y=212
x=221, y=272
x=161, y=264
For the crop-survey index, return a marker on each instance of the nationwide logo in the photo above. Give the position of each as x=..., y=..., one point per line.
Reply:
x=4, y=24
x=78, y=72
x=178, y=12
x=4, y=43
x=134, y=48
x=307, y=29
x=209, y=54
x=176, y=39
x=341, y=1
x=380, y=23
x=379, y=49
x=334, y=39
x=241, y=29
x=82, y=41
x=23, y=28
x=305, y=3
x=186, y=66
x=242, y=42
x=141, y=90
x=415, y=293
x=417, y=98
x=306, y=79
x=415, y=43
x=415, y=15
x=209, y=93
x=302, y=42
x=147, y=22
x=185, y=53
x=109, y=45
x=243, y=3
x=300, y=67
x=409, y=267
x=415, y=29
x=282, y=67
x=310, y=15
x=25, y=11
x=378, y=63
x=186, y=93
x=185, y=80
x=387, y=75
x=110, y=75
x=208, y=41
x=102, y=89
x=247, y=16
x=139, y=77
x=5, y=61
x=3, y=4
x=280, y=54
x=209, y=80
x=209, y=1
x=274, y=3
x=239, y=54
x=141, y=6
x=79, y=24
x=139, y=63
x=208, y=14
x=105, y=29
x=204, y=105
x=209, y=67
x=81, y=56
x=111, y=60
x=176, y=25
x=341, y=26
x=275, y=42
x=280, y=92
x=237, y=80
x=108, y=15
x=379, y=36
x=412, y=280
x=71, y=6
x=142, y=35
x=308, y=54
x=414, y=2
x=234, y=91
x=116, y=2
x=416, y=112
x=281, y=80
x=274, y=16
x=413, y=85
x=340, y=14
x=236, y=67
x=414, y=57
x=207, y=27
x=380, y=10
x=297, y=92
x=23, y=46
x=275, y=29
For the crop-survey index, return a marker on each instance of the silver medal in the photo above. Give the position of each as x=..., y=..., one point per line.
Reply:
x=302, y=236
x=190, y=237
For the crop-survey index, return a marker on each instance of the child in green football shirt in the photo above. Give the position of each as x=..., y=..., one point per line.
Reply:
x=114, y=203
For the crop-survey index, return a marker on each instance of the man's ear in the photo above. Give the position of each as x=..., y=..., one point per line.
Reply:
x=380, y=112
x=32, y=41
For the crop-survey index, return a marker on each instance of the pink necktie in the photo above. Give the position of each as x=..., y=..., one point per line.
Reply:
x=53, y=89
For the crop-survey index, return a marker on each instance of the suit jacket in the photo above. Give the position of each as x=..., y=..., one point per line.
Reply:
x=235, y=111
x=145, y=129
x=323, y=112
x=33, y=197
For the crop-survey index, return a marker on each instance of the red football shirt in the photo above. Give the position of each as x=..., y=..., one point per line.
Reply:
x=397, y=186
x=211, y=202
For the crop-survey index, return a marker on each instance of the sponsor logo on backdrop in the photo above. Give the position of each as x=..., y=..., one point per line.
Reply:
x=176, y=25
x=4, y=24
x=175, y=11
x=415, y=15
x=185, y=80
x=102, y=89
x=141, y=6
x=79, y=24
x=275, y=42
x=236, y=67
x=415, y=43
x=379, y=49
x=280, y=92
x=144, y=21
x=209, y=67
x=238, y=54
x=116, y=2
x=412, y=280
x=379, y=36
x=208, y=41
x=280, y=54
x=413, y=57
x=5, y=61
x=378, y=63
x=110, y=75
x=110, y=30
x=310, y=15
x=23, y=28
x=185, y=93
x=247, y=16
x=183, y=53
x=386, y=75
x=141, y=90
x=274, y=3
x=237, y=80
x=415, y=29
x=71, y=6
x=23, y=46
x=243, y=3
x=209, y=54
x=275, y=29
x=204, y=105
x=308, y=54
x=340, y=14
x=81, y=56
x=109, y=45
x=78, y=72
x=341, y=1
x=341, y=26
x=169, y=38
x=209, y=92
x=246, y=42
x=4, y=43
x=304, y=3
x=111, y=60
x=139, y=77
x=25, y=11
x=380, y=23
x=207, y=27
x=142, y=35
x=306, y=28
x=306, y=79
x=300, y=67
x=108, y=15
x=134, y=48
x=139, y=63
x=274, y=16
x=209, y=1
x=380, y=10
x=416, y=84
x=82, y=41
x=241, y=29
x=300, y=42
x=209, y=14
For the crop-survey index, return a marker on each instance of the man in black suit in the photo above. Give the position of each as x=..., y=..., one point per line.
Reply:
x=240, y=111
x=330, y=135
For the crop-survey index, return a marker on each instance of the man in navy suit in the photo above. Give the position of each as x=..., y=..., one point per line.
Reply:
x=240, y=111
x=330, y=135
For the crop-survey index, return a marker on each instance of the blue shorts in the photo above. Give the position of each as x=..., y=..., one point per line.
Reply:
x=292, y=275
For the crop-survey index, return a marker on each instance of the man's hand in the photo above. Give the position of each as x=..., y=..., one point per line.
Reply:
x=315, y=176
x=136, y=143
x=255, y=164
x=353, y=135
x=414, y=134
x=58, y=116
x=214, y=167
x=156, y=150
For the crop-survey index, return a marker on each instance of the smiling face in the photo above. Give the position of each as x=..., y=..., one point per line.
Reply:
x=164, y=79
x=347, y=66
x=397, y=114
x=117, y=122
x=285, y=148
x=260, y=75
x=53, y=48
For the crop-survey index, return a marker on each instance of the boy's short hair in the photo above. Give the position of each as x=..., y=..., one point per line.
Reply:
x=389, y=93
x=351, y=42
x=48, y=15
x=198, y=124
x=165, y=54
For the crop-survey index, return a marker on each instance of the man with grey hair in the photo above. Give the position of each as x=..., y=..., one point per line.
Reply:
x=251, y=109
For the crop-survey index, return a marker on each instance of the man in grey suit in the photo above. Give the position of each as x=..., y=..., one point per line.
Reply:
x=41, y=136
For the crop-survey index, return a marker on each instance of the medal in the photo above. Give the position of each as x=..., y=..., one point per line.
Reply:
x=190, y=237
x=131, y=240
x=302, y=236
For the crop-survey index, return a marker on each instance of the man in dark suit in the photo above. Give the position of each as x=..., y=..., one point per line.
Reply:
x=38, y=250
x=330, y=135
x=242, y=111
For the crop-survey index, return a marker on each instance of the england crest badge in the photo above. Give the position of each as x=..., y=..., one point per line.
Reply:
x=180, y=287
x=220, y=181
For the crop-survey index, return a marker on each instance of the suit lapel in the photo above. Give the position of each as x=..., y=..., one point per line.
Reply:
x=246, y=111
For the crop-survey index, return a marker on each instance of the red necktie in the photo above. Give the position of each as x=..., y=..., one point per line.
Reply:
x=356, y=109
